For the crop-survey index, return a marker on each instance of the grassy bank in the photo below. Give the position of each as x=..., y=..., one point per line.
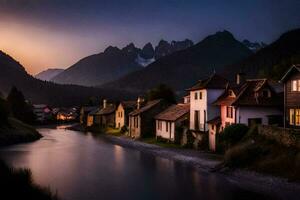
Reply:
x=255, y=152
x=18, y=184
x=16, y=131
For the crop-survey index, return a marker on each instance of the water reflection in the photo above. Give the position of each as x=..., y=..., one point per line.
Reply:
x=82, y=166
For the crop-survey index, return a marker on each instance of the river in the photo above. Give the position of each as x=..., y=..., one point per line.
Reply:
x=79, y=166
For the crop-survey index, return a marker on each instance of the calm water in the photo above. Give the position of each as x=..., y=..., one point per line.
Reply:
x=81, y=167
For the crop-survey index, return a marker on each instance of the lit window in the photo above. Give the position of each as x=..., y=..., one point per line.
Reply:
x=292, y=116
x=297, y=117
x=296, y=85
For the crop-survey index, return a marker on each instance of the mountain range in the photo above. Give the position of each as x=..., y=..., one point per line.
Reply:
x=38, y=91
x=182, y=68
x=114, y=63
x=48, y=74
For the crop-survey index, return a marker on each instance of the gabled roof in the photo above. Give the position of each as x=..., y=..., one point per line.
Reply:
x=245, y=95
x=213, y=82
x=128, y=104
x=145, y=108
x=294, y=68
x=174, y=112
x=109, y=109
x=93, y=112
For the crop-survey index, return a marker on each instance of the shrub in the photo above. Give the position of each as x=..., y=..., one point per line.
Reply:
x=124, y=129
x=233, y=134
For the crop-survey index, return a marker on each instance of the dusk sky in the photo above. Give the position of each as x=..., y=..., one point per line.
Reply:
x=45, y=34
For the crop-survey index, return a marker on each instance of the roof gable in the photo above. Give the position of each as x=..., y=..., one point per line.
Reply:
x=293, y=69
x=213, y=82
x=148, y=106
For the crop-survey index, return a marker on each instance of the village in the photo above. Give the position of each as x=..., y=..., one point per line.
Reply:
x=209, y=107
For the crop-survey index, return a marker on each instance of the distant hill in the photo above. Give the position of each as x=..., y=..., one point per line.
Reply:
x=37, y=91
x=114, y=63
x=48, y=74
x=273, y=60
x=182, y=68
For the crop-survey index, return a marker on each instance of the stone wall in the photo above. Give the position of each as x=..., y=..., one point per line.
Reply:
x=284, y=136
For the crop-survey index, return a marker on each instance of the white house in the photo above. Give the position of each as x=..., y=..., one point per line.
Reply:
x=169, y=121
x=202, y=95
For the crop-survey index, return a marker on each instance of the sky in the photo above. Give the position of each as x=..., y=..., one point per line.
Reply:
x=43, y=34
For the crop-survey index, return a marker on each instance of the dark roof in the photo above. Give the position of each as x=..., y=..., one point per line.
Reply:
x=94, y=112
x=145, y=108
x=245, y=95
x=88, y=109
x=214, y=82
x=215, y=121
x=174, y=112
x=287, y=74
x=128, y=104
x=109, y=109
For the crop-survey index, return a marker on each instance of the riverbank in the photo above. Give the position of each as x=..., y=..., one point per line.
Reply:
x=15, y=132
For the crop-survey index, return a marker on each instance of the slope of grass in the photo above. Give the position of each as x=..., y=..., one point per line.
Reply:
x=16, y=131
x=257, y=153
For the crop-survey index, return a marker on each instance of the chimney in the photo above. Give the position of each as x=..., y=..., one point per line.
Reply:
x=240, y=78
x=104, y=103
x=139, y=102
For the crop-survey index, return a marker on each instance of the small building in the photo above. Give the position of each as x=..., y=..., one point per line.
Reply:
x=105, y=116
x=122, y=113
x=84, y=111
x=186, y=99
x=291, y=81
x=170, y=122
x=42, y=111
x=202, y=95
x=91, y=117
x=141, y=120
x=249, y=103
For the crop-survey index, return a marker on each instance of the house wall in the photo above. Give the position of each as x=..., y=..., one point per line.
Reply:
x=170, y=134
x=292, y=98
x=108, y=120
x=226, y=120
x=245, y=113
x=204, y=106
x=135, y=131
x=120, y=118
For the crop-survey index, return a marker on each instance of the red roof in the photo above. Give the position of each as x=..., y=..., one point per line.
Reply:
x=249, y=94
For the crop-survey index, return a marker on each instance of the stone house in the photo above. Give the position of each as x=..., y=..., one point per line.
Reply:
x=291, y=81
x=141, y=120
x=170, y=121
x=84, y=111
x=122, y=113
x=105, y=116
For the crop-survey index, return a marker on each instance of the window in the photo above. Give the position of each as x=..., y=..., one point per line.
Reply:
x=229, y=112
x=200, y=95
x=159, y=125
x=292, y=116
x=167, y=126
x=296, y=85
x=196, y=119
x=196, y=95
x=297, y=117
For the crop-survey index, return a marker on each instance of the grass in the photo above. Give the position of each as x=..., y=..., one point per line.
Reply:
x=113, y=131
x=16, y=132
x=153, y=140
x=18, y=184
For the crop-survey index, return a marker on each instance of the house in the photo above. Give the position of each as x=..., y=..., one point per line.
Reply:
x=105, y=116
x=251, y=102
x=170, y=121
x=202, y=95
x=42, y=112
x=84, y=111
x=65, y=114
x=122, y=113
x=186, y=99
x=141, y=120
x=291, y=81
x=91, y=117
